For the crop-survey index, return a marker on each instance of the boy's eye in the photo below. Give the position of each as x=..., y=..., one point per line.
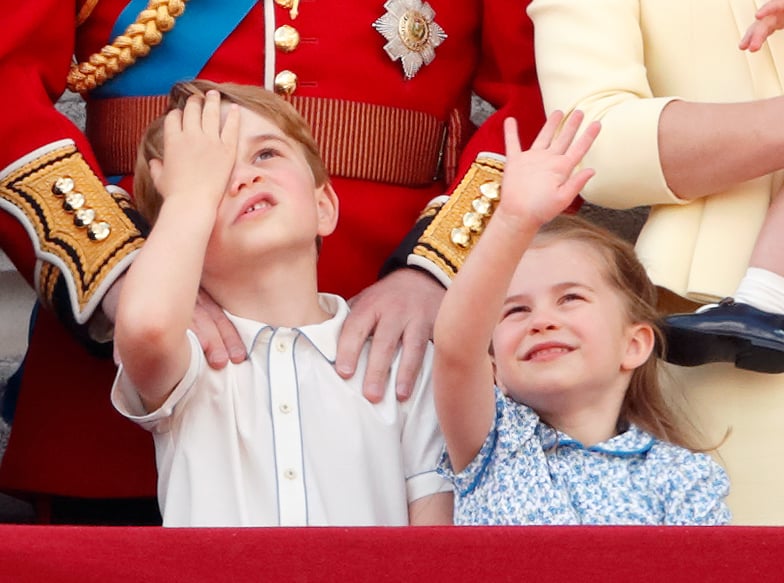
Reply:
x=266, y=154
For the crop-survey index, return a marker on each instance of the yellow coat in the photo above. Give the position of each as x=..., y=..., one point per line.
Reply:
x=622, y=61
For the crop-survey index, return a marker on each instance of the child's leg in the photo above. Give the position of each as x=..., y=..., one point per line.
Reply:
x=747, y=330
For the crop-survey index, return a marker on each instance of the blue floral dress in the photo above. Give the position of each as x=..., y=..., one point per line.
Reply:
x=529, y=473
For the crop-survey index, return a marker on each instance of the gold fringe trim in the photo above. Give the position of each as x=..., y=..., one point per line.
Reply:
x=139, y=37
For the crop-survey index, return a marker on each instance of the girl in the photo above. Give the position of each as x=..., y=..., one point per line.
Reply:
x=574, y=429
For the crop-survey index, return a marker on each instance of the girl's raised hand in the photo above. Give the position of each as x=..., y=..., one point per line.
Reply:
x=199, y=154
x=540, y=183
x=769, y=19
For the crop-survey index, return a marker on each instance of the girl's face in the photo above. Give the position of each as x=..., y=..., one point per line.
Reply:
x=564, y=338
x=271, y=201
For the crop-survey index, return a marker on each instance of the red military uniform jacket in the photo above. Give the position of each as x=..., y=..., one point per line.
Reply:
x=393, y=139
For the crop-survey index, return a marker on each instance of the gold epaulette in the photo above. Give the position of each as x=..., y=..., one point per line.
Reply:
x=79, y=229
x=457, y=225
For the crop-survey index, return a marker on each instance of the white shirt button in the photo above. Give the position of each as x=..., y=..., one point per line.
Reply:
x=285, y=408
x=289, y=474
x=281, y=346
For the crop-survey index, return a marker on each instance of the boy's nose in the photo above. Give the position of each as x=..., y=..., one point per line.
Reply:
x=242, y=178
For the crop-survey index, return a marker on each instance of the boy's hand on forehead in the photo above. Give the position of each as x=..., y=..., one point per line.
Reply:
x=198, y=154
x=540, y=183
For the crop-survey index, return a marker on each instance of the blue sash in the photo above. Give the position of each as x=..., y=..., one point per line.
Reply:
x=182, y=53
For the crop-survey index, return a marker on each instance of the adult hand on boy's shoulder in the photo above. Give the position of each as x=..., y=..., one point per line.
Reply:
x=399, y=309
x=217, y=335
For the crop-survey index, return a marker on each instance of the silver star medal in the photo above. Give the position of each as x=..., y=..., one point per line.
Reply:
x=411, y=33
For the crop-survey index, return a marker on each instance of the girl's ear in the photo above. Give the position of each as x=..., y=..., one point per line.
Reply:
x=640, y=344
x=496, y=380
x=327, y=206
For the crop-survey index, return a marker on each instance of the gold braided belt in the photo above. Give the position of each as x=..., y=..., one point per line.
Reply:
x=357, y=140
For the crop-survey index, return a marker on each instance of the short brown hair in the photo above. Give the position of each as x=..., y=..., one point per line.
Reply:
x=251, y=97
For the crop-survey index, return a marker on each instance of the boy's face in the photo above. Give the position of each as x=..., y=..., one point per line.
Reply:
x=564, y=338
x=271, y=202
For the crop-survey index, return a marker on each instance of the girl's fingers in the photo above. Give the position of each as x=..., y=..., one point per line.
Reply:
x=568, y=131
x=577, y=181
x=511, y=138
x=550, y=127
x=579, y=148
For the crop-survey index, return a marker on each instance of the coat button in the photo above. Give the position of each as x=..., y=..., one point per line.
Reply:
x=285, y=83
x=286, y=38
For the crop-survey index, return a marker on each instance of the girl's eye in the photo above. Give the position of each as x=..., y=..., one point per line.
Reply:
x=571, y=297
x=514, y=310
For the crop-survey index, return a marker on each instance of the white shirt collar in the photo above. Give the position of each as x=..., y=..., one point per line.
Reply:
x=323, y=335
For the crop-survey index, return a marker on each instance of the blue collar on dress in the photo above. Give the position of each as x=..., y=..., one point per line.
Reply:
x=634, y=441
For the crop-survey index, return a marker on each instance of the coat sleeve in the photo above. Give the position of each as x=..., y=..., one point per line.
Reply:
x=67, y=234
x=506, y=78
x=590, y=57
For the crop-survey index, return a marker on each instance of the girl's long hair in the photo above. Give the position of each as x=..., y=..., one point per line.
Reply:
x=645, y=403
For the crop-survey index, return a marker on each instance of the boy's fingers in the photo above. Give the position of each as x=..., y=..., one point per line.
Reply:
x=231, y=126
x=191, y=113
x=210, y=115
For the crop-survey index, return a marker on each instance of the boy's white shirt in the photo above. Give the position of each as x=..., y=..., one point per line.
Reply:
x=281, y=439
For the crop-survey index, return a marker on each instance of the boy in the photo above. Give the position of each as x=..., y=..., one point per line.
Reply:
x=241, y=201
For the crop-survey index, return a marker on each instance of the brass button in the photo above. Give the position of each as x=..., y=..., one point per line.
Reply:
x=63, y=185
x=491, y=190
x=73, y=201
x=482, y=205
x=473, y=222
x=285, y=83
x=461, y=237
x=286, y=38
x=84, y=217
x=98, y=231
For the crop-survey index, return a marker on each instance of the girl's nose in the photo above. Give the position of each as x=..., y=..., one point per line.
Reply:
x=541, y=320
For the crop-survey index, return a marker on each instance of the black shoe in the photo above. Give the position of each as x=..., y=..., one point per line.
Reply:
x=730, y=332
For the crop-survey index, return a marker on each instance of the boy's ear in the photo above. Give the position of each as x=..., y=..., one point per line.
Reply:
x=639, y=346
x=327, y=208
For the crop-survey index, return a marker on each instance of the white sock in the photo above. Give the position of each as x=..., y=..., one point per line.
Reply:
x=762, y=289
